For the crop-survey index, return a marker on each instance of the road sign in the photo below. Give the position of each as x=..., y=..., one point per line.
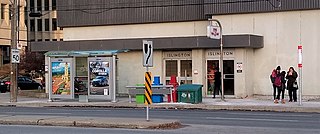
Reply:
x=15, y=56
x=213, y=32
x=147, y=53
x=148, y=90
x=300, y=56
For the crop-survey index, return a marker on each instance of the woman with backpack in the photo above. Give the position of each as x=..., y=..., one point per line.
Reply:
x=276, y=79
x=283, y=87
x=292, y=85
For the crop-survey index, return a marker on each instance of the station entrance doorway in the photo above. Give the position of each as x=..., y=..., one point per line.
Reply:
x=228, y=76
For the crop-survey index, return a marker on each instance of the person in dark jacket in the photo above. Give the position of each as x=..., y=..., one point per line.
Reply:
x=217, y=82
x=281, y=91
x=292, y=84
x=276, y=78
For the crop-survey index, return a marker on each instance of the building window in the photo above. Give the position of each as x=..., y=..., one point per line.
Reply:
x=54, y=24
x=32, y=25
x=46, y=24
x=39, y=39
x=54, y=40
x=47, y=40
x=54, y=4
x=46, y=5
x=39, y=25
x=61, y=39
x=31, y=5
x=3, y=6
x=39, y=5
x=10, y=12
x=171, y=68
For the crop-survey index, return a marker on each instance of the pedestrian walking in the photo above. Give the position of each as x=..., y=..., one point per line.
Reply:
x=292, y=84
x=276, y=79
x=217, y=82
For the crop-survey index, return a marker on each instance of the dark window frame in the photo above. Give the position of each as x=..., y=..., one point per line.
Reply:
x=54, y=5
x=3, y=10
x=46, y=5
x=39, y=24
x=46, y=25
x=54, y=24
x=39, y=8
x=32, y=25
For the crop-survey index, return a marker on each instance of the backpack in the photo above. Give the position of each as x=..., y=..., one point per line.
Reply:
x=277, y=81
x=273, y=76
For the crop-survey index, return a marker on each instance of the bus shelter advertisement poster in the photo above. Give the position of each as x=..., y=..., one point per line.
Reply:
x=99, y=77
x=61, y=78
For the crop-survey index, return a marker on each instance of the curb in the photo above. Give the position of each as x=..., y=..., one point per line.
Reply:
x=130, y=123
x=181, y=107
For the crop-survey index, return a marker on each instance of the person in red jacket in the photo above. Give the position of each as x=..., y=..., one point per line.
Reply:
x=276, y=79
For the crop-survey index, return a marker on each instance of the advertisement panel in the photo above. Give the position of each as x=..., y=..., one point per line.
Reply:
x=61, y=78
x=99, y=77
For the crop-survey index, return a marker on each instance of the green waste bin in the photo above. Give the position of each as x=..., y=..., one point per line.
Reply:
x=190, y=93
x=140, y=97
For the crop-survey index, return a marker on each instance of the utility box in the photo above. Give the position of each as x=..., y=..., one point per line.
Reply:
x=190, y=93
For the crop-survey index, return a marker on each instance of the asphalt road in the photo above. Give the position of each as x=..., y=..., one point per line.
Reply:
x=195, y=121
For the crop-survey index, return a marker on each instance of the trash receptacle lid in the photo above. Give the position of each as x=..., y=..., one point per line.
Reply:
x=190, y=87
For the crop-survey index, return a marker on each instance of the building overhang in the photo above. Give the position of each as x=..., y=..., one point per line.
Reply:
x=169, y=43
x=83, y=53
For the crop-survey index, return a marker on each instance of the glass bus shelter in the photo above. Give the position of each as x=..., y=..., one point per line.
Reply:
x=73, y=74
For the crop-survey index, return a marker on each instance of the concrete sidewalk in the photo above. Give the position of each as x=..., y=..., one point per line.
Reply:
x=248, y=104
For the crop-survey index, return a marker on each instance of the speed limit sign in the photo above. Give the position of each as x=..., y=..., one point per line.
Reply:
x=15, y=57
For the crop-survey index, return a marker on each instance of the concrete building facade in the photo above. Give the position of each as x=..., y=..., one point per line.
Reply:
x=256, y=42
x=5, y=29
x=44, y=28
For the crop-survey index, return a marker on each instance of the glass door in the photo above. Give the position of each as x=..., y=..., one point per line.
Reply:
x=228, y=76
x=185, y=72
x=212, y=66
x=171, y=70
x=181, y=69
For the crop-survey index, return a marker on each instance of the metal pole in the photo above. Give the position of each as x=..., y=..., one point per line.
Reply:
x=50, y=80
x=114, y=77
x=14, y=27
x=300, y=73
x=148, y=104
x=221, y=58
x=300, y=86
x=221, y=62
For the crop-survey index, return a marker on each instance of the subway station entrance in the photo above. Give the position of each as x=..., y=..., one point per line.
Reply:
x=228, y=72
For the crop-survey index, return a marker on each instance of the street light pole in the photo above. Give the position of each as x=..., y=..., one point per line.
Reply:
x=221, y=55
x=14, y=30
